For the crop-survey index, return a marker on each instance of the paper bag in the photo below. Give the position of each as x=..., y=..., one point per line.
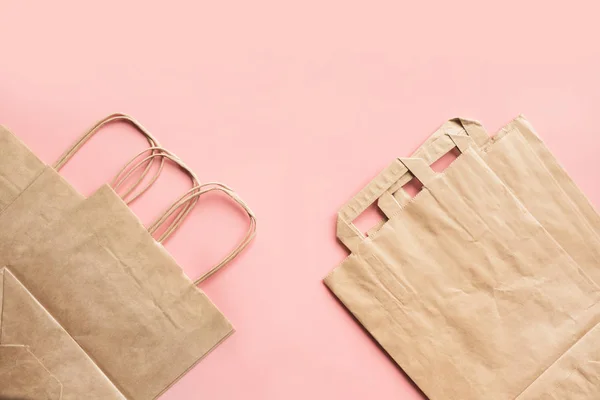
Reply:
x=462, y=286
x=119, y=294
x=520, y=159
x=24, y=322
x=113, y=288
x=24, y=377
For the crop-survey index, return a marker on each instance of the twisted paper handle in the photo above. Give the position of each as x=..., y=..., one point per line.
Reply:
x=194, y=193
x=71, y=151
x=163, y=153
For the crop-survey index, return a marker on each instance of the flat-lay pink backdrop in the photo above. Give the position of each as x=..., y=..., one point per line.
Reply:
x=295, y=105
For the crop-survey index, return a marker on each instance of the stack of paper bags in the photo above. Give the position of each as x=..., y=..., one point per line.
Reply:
x=92, y=306
x=484, y=285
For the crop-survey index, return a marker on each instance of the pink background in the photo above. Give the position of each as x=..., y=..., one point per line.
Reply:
x=296, y=105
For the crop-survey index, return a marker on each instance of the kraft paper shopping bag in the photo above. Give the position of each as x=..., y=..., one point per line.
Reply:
x=120, y=294
x=520, y=159
x=114, y=288
x=25, y=322
x=462, y=286
x=24, y=377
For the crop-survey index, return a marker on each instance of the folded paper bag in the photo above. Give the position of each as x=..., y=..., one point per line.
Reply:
x=462, y=286
x=24, y=377
x=24, y=321
x=121, y=295
x=110, y=284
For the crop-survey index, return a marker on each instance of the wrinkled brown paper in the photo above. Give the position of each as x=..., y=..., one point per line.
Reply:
x=465, y=289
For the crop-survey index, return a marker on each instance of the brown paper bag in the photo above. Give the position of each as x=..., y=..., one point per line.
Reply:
x=463, y=287
x=24, y=322
x=24, y=377
x=520, y=159
x=118, y=293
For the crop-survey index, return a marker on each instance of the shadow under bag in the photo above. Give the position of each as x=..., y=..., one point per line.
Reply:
x=466, y=290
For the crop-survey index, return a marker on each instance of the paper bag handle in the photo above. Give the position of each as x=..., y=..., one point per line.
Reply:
x=127, y=170
x=474, y=129
x=455, y=126
x=436, y=147
x=399, y=173
x=194, y=193
x=71, y=151
x=347, y=232
x=439, y=143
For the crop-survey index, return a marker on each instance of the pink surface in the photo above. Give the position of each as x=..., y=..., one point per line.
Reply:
x=296, y=105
